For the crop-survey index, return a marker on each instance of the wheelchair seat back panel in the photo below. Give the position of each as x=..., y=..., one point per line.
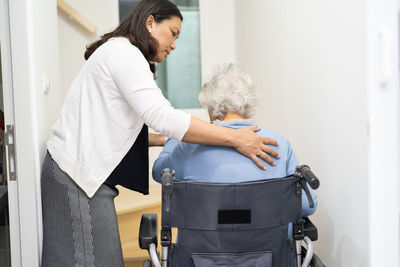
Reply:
x=249, y=205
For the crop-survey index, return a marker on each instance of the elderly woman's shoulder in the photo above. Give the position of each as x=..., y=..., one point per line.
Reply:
x=267, y=132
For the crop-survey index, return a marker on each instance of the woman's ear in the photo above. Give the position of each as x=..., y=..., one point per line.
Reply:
x=150, y=23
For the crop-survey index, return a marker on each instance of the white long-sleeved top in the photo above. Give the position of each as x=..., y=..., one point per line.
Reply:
x=104, y=111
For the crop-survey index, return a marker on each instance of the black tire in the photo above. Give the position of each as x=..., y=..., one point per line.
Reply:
x=315, y=261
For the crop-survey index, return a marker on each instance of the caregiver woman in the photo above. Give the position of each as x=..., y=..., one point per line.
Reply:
x=100, y=138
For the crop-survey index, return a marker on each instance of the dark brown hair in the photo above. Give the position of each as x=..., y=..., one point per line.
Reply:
x=134, y=28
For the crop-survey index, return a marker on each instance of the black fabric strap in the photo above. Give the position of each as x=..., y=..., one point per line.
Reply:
x=133, y=171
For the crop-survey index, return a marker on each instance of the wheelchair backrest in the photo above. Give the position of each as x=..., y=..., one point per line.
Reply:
x=248, y=205
x=233, y=219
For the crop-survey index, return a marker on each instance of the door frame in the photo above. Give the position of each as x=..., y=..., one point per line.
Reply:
x=8, y=98
x=20, y=111
x=384, y=132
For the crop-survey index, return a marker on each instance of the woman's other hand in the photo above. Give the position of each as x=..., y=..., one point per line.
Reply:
x=157, y=139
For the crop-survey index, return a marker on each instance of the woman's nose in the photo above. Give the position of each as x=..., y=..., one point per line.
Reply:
x=173, y=45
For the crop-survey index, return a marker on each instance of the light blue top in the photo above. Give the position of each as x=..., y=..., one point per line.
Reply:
x=226, y=165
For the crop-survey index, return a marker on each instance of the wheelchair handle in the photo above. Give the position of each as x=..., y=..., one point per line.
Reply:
x=167, y=187
x=305, y=172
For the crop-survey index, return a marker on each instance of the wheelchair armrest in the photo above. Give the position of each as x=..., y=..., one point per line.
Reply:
x=310, y=230
x=148, y=230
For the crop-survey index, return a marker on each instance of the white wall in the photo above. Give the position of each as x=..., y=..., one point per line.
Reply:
x=73, y=38
x=217, y=34
x=309, y=60
x=34, y=50
x=43, y=68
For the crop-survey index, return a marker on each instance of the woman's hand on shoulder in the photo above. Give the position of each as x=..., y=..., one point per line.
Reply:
x=255, y=146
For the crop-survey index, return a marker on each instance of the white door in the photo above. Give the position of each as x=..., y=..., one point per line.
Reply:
x=9, y=226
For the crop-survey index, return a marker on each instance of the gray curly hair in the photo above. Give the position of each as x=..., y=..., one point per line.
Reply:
x=230, y=89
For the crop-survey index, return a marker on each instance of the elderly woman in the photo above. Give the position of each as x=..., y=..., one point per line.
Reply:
x=230, y=99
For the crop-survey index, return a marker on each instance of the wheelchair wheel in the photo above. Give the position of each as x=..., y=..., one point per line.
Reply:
x=147, y=263
x=315, y=261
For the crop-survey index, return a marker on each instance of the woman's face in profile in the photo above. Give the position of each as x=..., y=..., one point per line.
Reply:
x=165, y=32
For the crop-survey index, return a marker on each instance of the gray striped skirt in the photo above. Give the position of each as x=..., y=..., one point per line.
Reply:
x=77, y=230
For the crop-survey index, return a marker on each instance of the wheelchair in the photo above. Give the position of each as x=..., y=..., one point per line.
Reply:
x=237, y=224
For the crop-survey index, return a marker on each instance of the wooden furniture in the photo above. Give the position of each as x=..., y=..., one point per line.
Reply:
x=130, y=206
